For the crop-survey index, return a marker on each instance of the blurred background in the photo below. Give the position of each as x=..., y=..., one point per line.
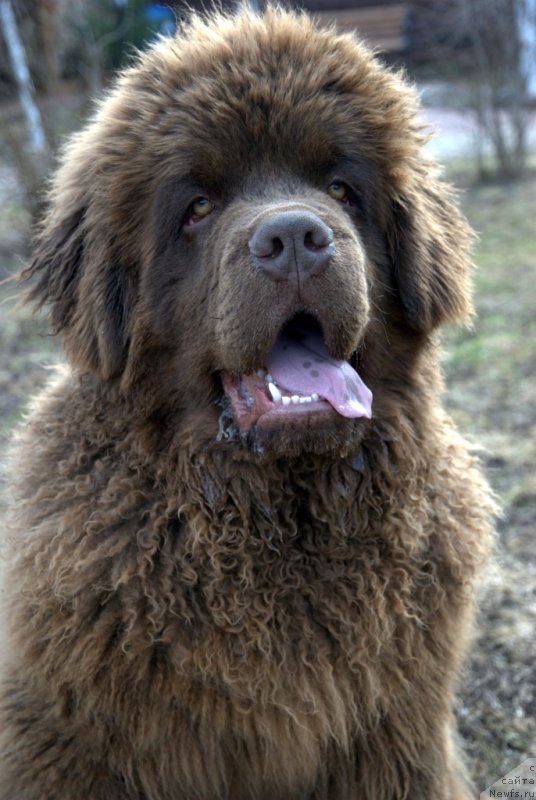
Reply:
x=474, y=64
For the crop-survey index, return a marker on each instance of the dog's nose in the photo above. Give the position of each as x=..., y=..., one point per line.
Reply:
x=292, y=245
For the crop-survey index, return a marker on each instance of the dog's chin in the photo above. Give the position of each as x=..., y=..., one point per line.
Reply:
x=322, y=433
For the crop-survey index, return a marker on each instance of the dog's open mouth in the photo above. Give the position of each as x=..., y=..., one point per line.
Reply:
x=300, y=380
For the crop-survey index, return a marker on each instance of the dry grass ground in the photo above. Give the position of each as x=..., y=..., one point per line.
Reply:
x=490, y=371
x=491, y=394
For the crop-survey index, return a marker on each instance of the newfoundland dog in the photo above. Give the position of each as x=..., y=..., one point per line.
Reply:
x=244, y=536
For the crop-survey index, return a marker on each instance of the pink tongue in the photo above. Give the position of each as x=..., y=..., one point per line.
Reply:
x=305, y=366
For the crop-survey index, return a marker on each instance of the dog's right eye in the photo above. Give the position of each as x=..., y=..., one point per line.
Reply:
x=200, y=208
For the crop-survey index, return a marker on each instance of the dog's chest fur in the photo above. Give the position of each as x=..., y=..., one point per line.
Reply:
x=260, y=621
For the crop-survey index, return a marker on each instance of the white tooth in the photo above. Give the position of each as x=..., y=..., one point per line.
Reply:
x=295, y=399
x=285, y=400
x=314, y=397
x=268, y=378
x=305, y=399
x=261, y=373
x=274, y=391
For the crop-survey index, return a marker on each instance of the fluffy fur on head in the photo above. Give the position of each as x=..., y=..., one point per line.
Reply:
x=212, y=597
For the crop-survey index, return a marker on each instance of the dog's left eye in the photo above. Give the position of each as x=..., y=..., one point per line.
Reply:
x=339, y=191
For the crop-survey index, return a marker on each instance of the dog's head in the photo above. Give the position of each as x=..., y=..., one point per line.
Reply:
x=248, y=227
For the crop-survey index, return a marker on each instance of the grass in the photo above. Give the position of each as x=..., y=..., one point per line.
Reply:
x=490, y=372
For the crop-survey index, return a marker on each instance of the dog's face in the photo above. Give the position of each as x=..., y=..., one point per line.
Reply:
x=278, y=278
x=247, y=230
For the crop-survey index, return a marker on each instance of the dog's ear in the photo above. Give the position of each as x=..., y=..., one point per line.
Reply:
x=76, y=274
x=429, y=244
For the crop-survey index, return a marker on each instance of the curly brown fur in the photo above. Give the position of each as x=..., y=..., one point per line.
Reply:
x=195, y=611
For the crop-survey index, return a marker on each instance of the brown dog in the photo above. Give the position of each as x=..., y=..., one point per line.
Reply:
x=225, y=584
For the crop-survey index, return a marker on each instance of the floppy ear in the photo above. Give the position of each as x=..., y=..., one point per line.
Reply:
x=77, y=275
x=429, y=248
